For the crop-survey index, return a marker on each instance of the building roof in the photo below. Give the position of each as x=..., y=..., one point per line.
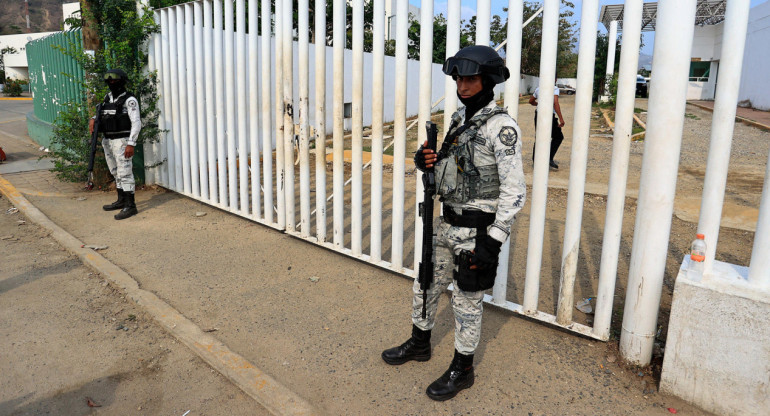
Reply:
x=708, y=12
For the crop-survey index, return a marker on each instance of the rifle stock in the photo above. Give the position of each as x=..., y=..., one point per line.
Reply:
x=425, y=272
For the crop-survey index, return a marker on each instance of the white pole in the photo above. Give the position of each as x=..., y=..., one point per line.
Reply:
x=219, y=77
x=542, y=154
x=169, y=107
x=358, y=128
x=320, y=119
x=423, y=116
x=733, y=43
x=621, y=145
x=304, y=119
x=511, y=102
x=256, y=198
x=161, y=54
x=399, y=137
x=191, y=156
x=378, y=76
x=657, y=187
x=280, y=168
x=610, y=71
x=452, y=46
x=200, y=101
x=152, y=154
x=232, y=170
x=759, y=267
x=483, y=17
x=338, y=130
x=183, y=145
x=288, y=110
x=267, y=141
x=241, y=77
x=208, y=33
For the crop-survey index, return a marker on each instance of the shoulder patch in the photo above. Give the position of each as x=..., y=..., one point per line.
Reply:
x=132, y=103
x=508, y=136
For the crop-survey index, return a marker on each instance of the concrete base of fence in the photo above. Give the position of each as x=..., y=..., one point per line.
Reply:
x=717, y=355
x=40, y=131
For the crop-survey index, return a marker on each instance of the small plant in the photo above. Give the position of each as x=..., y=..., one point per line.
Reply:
x=691, y=116
x=12, y=88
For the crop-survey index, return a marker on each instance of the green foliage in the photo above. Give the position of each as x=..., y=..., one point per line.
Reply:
x=123, y=32
x=12, y=88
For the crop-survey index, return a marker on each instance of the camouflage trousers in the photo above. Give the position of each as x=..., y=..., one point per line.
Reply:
x=467, y=306
x=121, y=169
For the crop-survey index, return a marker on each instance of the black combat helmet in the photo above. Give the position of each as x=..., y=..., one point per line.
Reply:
x=116, y=74
x=477, y=60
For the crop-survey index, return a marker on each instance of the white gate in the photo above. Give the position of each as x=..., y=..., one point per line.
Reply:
x=242, y=121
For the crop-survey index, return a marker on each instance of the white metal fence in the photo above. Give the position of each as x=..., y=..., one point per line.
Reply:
x=238, y=134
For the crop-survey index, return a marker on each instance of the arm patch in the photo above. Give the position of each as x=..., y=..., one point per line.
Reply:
x=508, y=136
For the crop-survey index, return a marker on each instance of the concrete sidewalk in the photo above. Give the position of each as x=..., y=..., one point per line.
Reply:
x=311, y=324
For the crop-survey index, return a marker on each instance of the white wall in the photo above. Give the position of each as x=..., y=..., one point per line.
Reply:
x=704, y=41
x=68, y=10
x=755, y=83
x=16, y=64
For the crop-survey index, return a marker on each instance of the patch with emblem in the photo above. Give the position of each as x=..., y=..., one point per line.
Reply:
x=131, y=103
x=510, y=152
x=508, y=136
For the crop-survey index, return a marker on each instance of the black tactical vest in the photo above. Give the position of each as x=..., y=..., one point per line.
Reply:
x=115, y=122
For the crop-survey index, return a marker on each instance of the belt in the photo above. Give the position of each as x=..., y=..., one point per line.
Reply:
x=468, y=218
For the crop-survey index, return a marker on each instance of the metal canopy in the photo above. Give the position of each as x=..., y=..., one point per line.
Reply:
x=708, y=12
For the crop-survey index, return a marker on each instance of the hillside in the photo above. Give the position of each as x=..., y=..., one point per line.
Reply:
x=44, y=16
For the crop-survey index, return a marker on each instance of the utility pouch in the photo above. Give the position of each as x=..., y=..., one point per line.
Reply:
x=472, y=280
x=446, y=176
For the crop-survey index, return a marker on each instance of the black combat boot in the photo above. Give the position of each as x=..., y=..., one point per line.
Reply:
x=129, y=210
x=120, y=203
x=415, y=348
x=457, y=378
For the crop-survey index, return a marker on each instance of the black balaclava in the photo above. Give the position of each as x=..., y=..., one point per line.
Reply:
x=117, y=87
x=481, y=99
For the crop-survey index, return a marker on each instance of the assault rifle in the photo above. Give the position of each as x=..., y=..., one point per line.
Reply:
x=92, y=150
x=425, y=273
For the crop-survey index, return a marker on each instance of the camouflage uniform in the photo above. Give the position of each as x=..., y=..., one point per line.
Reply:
x=497, y=141
x=121, y=168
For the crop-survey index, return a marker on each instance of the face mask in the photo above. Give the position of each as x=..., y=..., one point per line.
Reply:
x=116, y=88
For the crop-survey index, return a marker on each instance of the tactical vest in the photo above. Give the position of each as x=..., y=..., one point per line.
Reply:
x=458, y=178
x=115, y=122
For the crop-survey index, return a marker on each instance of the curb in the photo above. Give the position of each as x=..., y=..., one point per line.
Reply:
x=737, y=117
x=16, y=98
x=272, y=395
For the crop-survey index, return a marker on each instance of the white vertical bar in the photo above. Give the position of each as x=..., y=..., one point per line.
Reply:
x=542, y=154
x=241, y=78
x=483, y=17
x=759, y=267
x=320, y=119
x=192, y=137
x=219, y=76
x=200, y=100
x=511, y=101
x=151, y=152
x=452, y=46
x=267, y=141
x=338, y=46
x=169, y=109
x=211, y=138
x=399, y=137
x=288, y=110
x=423, y=116
x=621, y=145
x=304, y=119
x=657, y=187
x=232, y=182
x=280, y=168
x=160, y=44
x=610, y=70
x=378, y=76
x=733, y=44
x=183, y=145
x=358, y=128
x=256, y=199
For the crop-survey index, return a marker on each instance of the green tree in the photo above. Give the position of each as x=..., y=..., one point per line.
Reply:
x=5, y=51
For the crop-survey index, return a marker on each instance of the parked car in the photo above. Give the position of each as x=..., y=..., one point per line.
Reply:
x=565, y=89
x=641, y=86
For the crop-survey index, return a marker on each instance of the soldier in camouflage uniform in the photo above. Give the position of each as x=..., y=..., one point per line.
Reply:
x=120, y=122
x=480, y=180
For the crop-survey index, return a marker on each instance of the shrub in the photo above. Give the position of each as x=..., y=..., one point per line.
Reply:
x=12, y=88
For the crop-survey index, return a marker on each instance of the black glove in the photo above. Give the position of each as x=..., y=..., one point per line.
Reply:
x=486, y=252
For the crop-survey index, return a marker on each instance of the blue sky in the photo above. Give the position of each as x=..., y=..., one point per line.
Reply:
x=469, y=9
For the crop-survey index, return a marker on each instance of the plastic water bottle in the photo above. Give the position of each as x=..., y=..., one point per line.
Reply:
x=697, y=257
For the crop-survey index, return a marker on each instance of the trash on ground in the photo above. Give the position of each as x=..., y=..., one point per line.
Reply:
x=200, y=214
x=12, y=210
x=21, y=222
x=81, y=198
x=584, y=305
x=211, y=330
x=672, y=410
x=8, y=237
x=92, y=403
x=313, y=279
x=185, y=413
x=94, y=247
